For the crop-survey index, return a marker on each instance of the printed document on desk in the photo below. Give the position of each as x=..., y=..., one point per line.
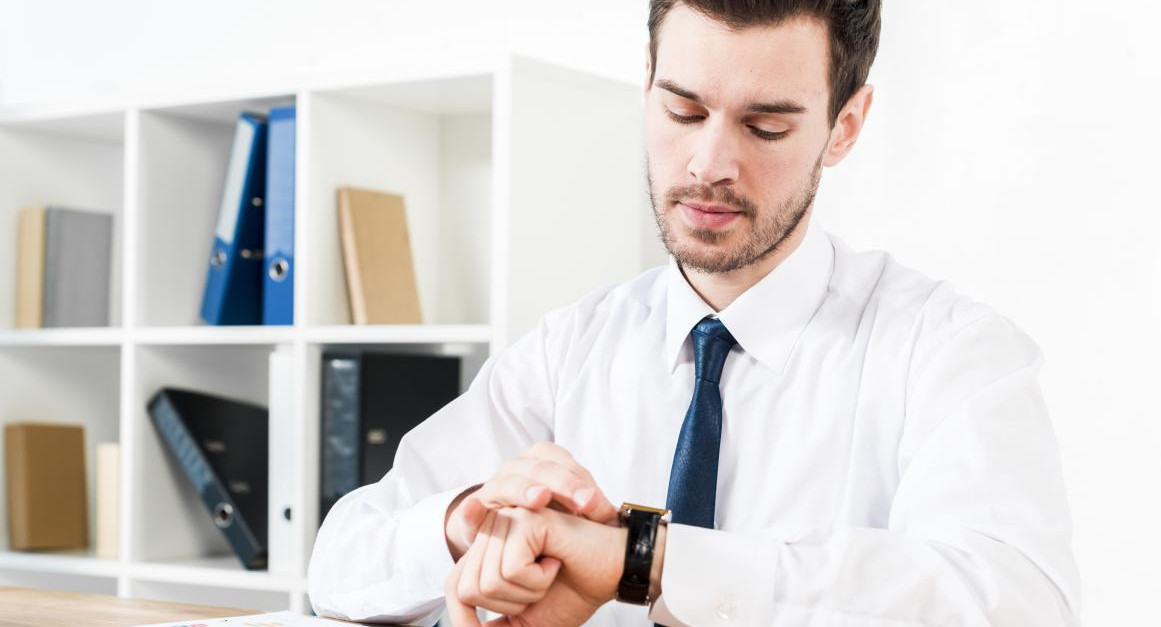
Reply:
x=277, y=619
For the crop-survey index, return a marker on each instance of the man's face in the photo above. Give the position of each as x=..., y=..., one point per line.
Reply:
x=736, y=123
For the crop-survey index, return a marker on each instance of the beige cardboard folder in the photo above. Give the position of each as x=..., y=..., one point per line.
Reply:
x=377, y=257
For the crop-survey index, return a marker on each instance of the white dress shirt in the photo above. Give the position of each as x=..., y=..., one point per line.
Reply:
x=886, y=455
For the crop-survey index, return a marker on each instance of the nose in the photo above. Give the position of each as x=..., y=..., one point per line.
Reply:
x=715, y=159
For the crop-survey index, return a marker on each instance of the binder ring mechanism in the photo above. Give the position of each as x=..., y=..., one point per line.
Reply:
x=223, y=515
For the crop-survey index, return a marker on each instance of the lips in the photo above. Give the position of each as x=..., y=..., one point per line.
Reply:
x=707, y=216
x=709, y=208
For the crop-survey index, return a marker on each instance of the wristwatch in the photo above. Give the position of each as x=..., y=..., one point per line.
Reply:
x=642, y=523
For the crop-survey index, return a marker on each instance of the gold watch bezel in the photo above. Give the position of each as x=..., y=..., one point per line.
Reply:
x=627, y=507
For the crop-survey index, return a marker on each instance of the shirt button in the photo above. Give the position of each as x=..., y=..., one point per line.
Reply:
x=726, y=610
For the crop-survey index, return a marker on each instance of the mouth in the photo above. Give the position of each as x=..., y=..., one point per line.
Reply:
x=707, y=216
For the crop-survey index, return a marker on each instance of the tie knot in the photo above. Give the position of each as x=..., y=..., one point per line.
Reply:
x=711, y=344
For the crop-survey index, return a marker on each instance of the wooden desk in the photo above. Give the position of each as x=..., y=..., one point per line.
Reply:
x=22, y=607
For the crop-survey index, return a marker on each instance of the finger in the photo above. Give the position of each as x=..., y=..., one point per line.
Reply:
x=522, y=563
x=556, y=453
x=537, y=576
x=471, y=516
x=492, y=582
x=567, y=487
x=514, y=489
x=600, y=509
x=593, y=504
x=469, y=589
x=460, y=613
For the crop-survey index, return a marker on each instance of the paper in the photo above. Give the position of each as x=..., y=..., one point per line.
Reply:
x=276, y=619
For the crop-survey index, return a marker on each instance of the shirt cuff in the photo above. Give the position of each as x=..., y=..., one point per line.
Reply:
x=713, y=577
x=426, y=545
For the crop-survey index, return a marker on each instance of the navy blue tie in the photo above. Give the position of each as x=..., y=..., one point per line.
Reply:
x=693, y=482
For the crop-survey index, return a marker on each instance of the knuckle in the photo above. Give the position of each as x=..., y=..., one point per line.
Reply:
x=466, y=592
x=509, y=572
x=490, y=585
x=543, y=469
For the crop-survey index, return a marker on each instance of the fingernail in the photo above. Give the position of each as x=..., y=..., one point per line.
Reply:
x=581, y=497
x=534, y=493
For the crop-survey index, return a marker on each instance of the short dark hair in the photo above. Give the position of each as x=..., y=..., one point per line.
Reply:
x=853, y=27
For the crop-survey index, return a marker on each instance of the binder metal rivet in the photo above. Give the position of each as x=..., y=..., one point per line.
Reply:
x=218, y=259
x=223, y=515
x=279, y=269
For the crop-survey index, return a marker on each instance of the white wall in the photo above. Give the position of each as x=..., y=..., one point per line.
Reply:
x=1012, y=150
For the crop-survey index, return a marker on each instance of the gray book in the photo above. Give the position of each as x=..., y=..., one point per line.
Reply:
x=78, y=251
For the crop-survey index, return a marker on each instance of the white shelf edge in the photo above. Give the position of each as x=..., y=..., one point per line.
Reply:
x=97, y=336
x=400, y=334
x=85, y=565
x=207, y=573
x=320, y=80
x=250, y=335
x=209, y=335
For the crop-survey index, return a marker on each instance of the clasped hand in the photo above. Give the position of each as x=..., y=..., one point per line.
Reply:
x=537, y=543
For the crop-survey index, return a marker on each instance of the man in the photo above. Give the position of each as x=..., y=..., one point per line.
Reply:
x=841, y=440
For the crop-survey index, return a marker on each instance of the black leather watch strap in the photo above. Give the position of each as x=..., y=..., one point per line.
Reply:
x=642, y=523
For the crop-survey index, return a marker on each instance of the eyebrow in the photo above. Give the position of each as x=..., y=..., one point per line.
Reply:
x=778, y=106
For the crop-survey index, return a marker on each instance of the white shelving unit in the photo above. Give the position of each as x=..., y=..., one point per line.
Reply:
x=525, y=189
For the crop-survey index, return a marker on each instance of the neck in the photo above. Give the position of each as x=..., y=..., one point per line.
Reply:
x=719, y=289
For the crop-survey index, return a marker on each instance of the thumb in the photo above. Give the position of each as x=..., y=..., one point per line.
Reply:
x=550, y=566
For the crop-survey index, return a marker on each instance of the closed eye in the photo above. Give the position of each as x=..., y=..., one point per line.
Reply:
x=768, y=135
x=684, y=119
x=759, y=133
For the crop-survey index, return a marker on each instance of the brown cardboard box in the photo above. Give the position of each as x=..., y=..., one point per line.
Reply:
x=45, y=467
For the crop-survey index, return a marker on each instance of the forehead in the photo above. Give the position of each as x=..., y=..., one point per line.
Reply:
x=787, y=60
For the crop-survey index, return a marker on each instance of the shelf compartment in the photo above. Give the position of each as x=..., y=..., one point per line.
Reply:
x=169, y=521
x=184, y=153
x=74, y=162
x=68, y=385
x=430, y=142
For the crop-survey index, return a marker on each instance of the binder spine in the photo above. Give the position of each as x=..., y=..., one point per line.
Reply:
x=278, y=292
x=213, y=494
x=341, y=430
x=233, y=290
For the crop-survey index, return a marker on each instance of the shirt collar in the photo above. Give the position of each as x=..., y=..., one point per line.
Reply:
x=766, y=319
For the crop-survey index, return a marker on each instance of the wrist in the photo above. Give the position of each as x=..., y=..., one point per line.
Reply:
x=619, y=539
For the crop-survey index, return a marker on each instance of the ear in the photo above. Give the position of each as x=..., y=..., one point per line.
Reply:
x=848, y=126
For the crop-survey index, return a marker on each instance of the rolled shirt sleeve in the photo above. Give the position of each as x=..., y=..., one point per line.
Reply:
x=979, y=530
